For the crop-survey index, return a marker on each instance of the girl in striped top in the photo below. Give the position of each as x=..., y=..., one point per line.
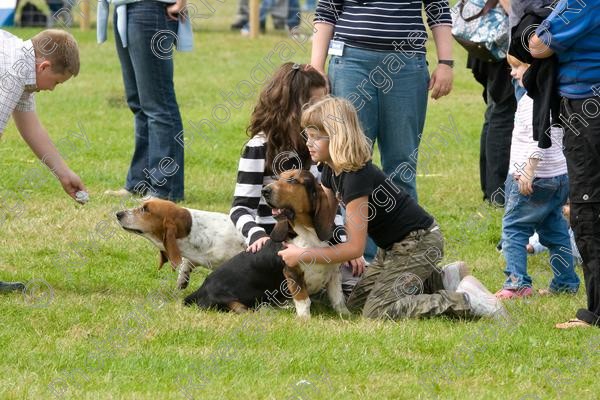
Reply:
x=276, y=144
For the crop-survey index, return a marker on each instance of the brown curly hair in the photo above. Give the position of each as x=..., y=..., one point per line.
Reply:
x=278, y=110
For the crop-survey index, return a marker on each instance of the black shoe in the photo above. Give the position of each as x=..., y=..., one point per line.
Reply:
x=6, y=287
x=279, y=25
x=239, y=24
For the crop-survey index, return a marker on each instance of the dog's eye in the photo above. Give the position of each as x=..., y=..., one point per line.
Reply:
x=144, y=208
x=292, y=180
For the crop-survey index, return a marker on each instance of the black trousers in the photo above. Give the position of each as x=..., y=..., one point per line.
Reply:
x=496, y=133
x=581, y=121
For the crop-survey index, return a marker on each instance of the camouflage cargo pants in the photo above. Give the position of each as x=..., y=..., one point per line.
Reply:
x=404, y=282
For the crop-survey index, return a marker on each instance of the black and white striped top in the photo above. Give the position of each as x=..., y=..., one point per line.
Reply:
x=249, y=212
x=392, y=25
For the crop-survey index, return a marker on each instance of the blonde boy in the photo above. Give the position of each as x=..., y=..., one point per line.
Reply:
x=46, y=60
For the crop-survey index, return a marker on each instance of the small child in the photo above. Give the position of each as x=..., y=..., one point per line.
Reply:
x=403, y=280
x=536, y=189
x=50, y=58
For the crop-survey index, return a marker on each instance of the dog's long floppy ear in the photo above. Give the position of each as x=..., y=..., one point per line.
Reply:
x=324, y=214
x=175, y=225
x=283, y=228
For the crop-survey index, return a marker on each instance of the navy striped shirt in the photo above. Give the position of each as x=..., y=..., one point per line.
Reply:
x=383, y=25
x=573, y=32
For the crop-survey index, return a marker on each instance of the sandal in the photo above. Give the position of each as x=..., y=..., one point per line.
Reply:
x=572, y=323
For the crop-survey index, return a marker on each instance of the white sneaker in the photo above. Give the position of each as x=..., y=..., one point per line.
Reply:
x=118, y=193
x=453, y=273
x=483, y=303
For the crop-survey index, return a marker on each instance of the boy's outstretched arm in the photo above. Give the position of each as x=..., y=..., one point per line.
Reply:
x=38, y=140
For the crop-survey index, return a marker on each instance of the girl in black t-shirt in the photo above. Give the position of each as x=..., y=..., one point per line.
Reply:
x=403, y=280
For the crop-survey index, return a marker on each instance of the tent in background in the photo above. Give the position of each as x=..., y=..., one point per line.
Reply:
x=7, y=12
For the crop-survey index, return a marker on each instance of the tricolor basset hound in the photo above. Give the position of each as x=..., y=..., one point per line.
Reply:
x=200, y=237
x=248, y=279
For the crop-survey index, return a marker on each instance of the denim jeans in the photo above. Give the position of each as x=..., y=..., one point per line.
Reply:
x=157, y=163
x=389, y=91
x=541, y=212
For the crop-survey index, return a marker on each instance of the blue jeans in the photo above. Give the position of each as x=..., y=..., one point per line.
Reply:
x=389, y=91
x=541, y=212
x=293, y=18
x=157, y=163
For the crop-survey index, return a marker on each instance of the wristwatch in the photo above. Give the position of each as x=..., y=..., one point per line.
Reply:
x=449, y=63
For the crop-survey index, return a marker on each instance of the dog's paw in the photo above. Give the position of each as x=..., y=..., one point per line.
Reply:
x=342, y=310
x=184, y=277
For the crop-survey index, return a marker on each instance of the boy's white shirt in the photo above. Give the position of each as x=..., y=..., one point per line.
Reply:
x=17, y=76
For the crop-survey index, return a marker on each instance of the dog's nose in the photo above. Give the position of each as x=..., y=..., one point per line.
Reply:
x=120, y=215
x=266, y=192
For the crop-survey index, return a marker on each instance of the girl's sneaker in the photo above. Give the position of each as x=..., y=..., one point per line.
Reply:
x=505, y=294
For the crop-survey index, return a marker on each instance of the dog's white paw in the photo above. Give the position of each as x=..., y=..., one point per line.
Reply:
x=302, y=308
x=185, y=270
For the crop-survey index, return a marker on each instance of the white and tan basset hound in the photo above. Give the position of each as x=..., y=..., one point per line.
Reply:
x=200, y=237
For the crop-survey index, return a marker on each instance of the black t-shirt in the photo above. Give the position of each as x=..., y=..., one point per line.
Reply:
x=392, y=213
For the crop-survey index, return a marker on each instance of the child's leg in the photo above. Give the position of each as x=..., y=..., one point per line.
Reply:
x=408, y=271
x=362, y=290
x=520, y=218
x=554, y=234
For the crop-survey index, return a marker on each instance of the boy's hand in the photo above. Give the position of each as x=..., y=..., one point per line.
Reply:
x=71, y=183
x=525, y=184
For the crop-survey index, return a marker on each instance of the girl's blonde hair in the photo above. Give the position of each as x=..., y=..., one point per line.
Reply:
x=335, y=117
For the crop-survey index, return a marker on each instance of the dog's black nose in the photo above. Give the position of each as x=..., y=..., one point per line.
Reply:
x=120, y=215
x=266, y=192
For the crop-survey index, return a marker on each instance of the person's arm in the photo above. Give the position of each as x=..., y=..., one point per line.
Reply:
x=505, y=4
x=538, y=48
x=354, y=247
x=37, y=138
x=525, y=180
x=320, y=45
x=440, y=83
x=246, y=197
x=358, y=264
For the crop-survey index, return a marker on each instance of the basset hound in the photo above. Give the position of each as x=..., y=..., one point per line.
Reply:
x=200, y=237
x=249, y=279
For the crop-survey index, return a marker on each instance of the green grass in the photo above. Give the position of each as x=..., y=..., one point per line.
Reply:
x=101, y=322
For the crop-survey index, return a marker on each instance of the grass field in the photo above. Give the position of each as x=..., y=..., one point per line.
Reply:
x=99, y=321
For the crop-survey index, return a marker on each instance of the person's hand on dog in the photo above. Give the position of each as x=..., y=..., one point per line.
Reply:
x=258, y=244
x=358, y=266
x=291, y=254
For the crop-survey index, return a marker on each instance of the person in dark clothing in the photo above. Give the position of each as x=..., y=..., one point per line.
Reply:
x=572, y=32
